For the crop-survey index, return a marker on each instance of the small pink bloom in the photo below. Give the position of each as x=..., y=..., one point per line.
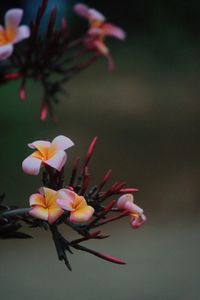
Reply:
x=47, y=153
x=126, y=202
x=44, y=205
x=12, y=33
x=80, y=212
x=98, y=31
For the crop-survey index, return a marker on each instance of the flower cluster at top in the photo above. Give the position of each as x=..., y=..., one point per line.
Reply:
x=13, y=33
x=74, y=203
x=56, y=53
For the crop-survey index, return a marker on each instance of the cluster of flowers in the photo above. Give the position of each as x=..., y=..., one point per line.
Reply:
x=56, y=53
x=73, y=204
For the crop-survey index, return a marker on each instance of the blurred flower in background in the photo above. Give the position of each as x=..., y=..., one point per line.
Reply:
x=12, y=33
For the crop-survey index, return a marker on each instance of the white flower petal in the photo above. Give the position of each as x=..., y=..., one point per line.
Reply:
x=31, y=165
x=114, y=31
x=39, y=145
x=13, y=18
x=123, y=199
x=23, y=32
x=65, y=199
x=6, y=51
x=62, y=142
x=81, y=10
x=57, y=161
x=95, y=15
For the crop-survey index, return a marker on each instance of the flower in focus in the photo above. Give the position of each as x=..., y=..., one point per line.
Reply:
x=126, y=202
x=47, y=153
x=12, y=33
x=44, y=205
x=80, y=212
x=98, y=31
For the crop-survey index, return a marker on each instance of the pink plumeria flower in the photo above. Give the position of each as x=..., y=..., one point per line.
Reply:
x=44, y=205
x=47, y=153
x=98, y=31
x=80, y=212
x=126, y=203
x=12, y=33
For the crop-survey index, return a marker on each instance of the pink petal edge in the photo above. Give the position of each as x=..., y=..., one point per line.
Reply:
x=13, y=18
x=57, y=161
x=31, y=165
x=6, y=51
x=62, y=142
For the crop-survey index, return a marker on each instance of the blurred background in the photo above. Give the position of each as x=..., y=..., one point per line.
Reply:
x=146, y=115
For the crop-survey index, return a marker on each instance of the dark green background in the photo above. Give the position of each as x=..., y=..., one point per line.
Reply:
x=146, y=115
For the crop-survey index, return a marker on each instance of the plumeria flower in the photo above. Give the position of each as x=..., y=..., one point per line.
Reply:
x=44, y=205
x=98, y=31
x=12, y=33
x=126, y=203
x=47, y=153
x=80, y=212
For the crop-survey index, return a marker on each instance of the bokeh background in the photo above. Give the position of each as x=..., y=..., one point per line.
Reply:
x=146, y=115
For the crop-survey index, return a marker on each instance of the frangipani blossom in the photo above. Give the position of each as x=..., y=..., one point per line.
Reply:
x=47, y=153
x=12, y=33
x=80, y=212
x=98, y=31
x=126, y=202
x=44, y=205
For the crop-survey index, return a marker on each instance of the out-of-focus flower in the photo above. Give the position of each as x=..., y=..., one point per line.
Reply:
x=126, y=202
x=12, y=33
x=98, y=31
x=80, y=212
x=44, y=205
x=47, y=153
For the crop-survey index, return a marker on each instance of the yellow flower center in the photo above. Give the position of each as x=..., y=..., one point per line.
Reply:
x=45, y=153
x=3, y=38
x=7, y=36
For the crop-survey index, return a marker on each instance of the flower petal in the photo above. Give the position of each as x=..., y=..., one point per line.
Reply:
x=65, y=199
x=31, y=165
x=81, y=10
x=82, y=215
x=50, y=197
x=79, y=202
x=93, y=31
x=12, y=19
x=37, y=199
x=123, y=199
x=23, y=32
x=95, y=15
x=6, y=51
x=136, y=222
x=62, y=142
x=54, y=214
x=66, y=194
x=65, y=204
x=114, y=31
x=101, y=47
x=39, y=145
x=133, y=208
x=57, y=161
x=39, y=212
